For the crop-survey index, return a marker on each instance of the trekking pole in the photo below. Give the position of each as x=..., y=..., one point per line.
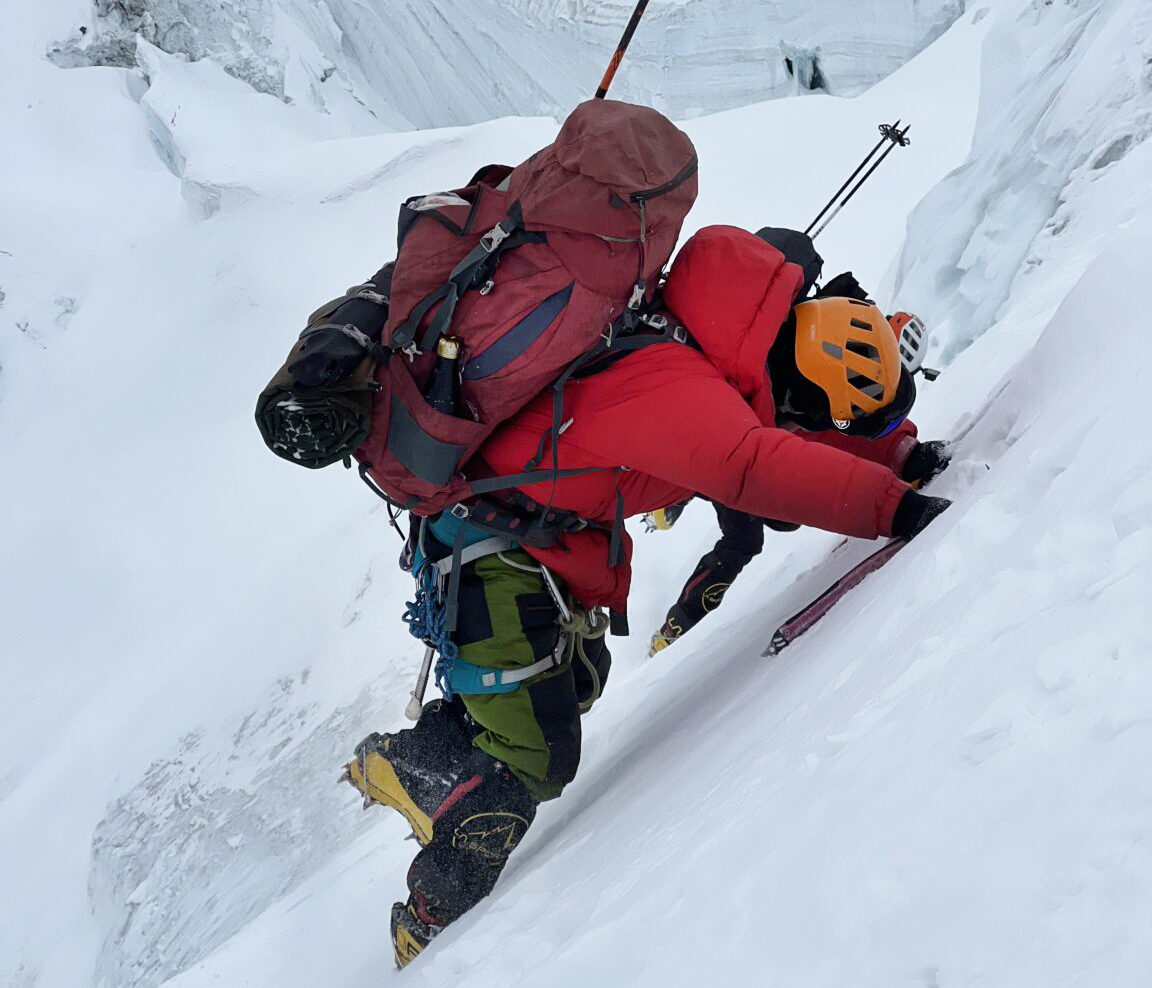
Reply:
x=848, y=181
x=621, y=48
x=416, y=704
x=889, y=133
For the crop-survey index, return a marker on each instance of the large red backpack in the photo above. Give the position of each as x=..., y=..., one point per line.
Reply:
x=536, y=270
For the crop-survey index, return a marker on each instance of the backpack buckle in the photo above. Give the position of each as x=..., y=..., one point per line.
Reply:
x=656, y=320
x=493, y=238
x=637, y=295
x=679, y=334
x=460, y=511
x=357, y=336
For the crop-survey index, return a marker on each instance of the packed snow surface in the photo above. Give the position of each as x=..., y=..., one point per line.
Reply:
x=943, y=784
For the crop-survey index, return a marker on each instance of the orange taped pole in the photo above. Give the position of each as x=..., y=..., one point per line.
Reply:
x=621, y=48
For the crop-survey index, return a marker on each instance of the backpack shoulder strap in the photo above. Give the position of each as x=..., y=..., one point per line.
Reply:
x=654, y=327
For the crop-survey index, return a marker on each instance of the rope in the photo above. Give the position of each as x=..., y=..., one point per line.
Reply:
x=427, y=619
x=579, y=628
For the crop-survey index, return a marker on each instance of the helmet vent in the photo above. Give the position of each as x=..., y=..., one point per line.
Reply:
x=861, y=324
x=873, y=389
x=862, y=349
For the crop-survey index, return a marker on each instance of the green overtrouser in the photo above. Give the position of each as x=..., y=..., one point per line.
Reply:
x=508, y=620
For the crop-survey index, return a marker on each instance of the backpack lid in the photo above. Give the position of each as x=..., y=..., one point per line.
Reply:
x=608, y=157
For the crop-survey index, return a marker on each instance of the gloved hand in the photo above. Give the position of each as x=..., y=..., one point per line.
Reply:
x=915, y=512
x=926, y=461
x=843, y=286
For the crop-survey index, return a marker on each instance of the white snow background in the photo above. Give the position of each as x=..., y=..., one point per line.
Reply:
x=945, y=784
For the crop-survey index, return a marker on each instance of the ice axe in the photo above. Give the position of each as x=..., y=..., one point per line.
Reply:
x=416, y=703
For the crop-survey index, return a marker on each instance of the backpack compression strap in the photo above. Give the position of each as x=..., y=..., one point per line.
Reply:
x=474, y=271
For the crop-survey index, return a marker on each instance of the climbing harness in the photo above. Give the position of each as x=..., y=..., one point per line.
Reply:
x=431, y=619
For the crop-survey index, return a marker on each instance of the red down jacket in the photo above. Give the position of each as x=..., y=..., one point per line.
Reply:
x=682, y=421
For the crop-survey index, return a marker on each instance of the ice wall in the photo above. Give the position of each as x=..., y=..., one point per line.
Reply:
x=1052, y=177
x=414, y=63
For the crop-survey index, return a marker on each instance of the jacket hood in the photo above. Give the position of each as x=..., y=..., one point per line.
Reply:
x=733, y=291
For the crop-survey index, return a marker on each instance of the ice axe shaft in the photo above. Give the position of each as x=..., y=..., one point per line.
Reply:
x=621, y=48
x=416, y=703
x=890, y=134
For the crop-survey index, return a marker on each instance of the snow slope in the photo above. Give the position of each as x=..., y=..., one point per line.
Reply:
x=944, y=784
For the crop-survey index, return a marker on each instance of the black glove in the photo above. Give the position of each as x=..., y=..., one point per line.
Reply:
x=843, y=286
x=926, y=461
x=915, y=512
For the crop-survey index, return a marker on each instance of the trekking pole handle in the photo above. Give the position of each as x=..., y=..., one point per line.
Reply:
x=416, y=703
x=620, y=49
x=898, y=137
x=888, y=133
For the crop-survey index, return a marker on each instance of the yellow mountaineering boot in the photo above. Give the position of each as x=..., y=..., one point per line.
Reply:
x=410, y=933
x=669, y=631
x=375, y=776
x=478, y=826
x=413, y=770
x=663, y=519
x=467, y=809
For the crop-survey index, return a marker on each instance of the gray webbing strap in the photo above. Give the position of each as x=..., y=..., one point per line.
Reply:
x=452, y=597
x=488, y=547
x=503, y=677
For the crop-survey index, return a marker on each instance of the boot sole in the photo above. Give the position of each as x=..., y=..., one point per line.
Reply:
x=381, y=785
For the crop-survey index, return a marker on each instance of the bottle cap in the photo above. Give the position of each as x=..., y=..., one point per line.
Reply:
x=448, y=347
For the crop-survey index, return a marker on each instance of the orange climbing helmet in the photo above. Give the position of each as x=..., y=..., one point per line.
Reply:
x=848, y=349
